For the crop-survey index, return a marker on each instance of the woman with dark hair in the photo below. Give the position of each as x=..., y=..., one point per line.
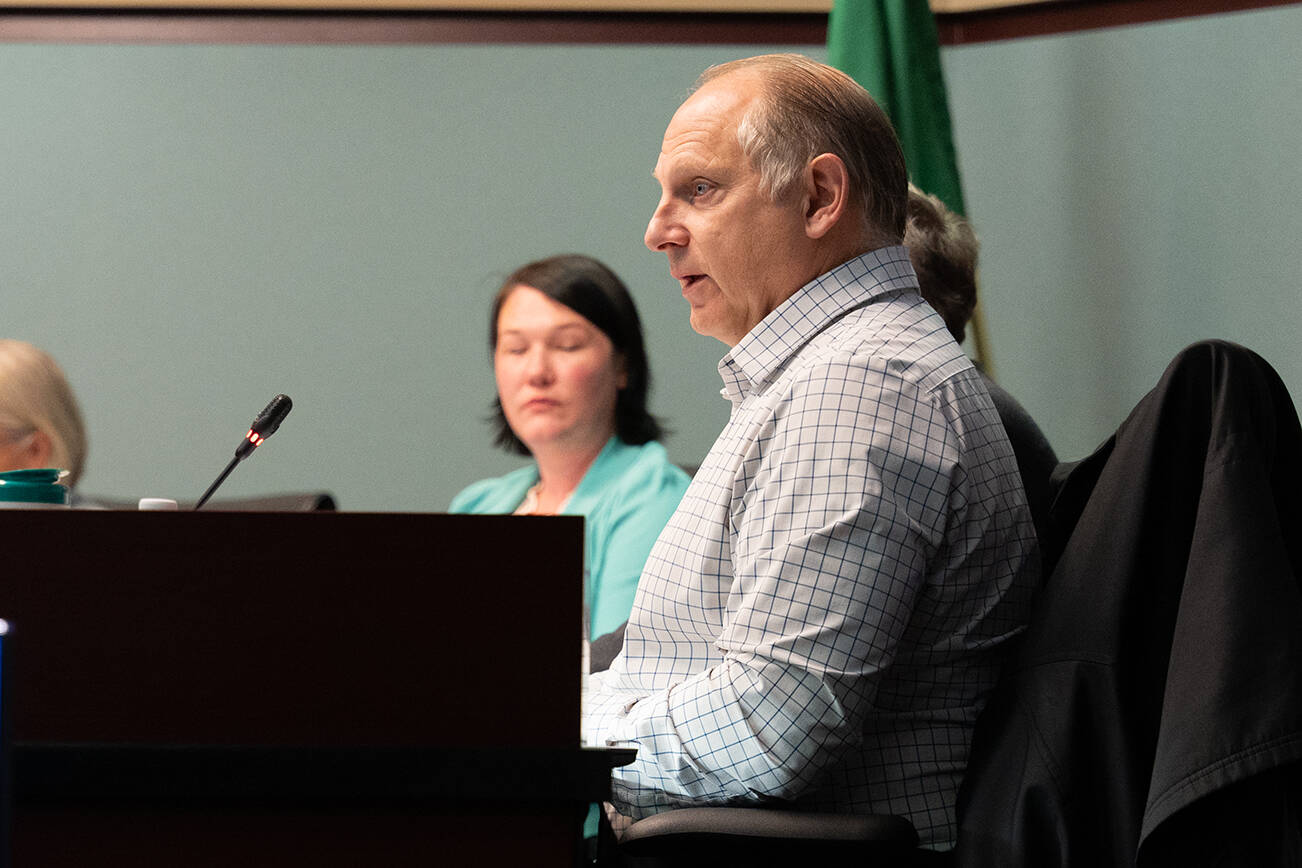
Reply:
x=572, y=384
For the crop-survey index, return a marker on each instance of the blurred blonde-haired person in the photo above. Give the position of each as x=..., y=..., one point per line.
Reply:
x=40, y=422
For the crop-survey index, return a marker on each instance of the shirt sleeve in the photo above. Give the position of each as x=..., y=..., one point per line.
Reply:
x=844, y=503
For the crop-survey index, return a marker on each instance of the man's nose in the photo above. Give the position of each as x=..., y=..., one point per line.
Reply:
x=664, y=230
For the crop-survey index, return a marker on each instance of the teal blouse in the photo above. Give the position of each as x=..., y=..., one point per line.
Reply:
x=626, y=497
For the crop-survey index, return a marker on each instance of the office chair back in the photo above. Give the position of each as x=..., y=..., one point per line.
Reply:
x=1153, y=714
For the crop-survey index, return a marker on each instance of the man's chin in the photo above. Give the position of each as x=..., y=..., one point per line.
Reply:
x=700, y=322
x=705, y=326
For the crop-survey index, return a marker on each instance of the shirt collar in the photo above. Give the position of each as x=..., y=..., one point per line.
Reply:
x=768, y=346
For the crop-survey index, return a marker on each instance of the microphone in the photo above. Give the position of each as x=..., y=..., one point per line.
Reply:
x=263, y=427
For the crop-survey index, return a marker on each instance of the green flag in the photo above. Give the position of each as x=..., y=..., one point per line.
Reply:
x=890, y=47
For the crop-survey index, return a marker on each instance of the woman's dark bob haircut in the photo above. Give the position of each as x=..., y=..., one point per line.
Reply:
x=595, y=293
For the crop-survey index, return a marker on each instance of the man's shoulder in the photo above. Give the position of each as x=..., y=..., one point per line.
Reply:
x=898, y=339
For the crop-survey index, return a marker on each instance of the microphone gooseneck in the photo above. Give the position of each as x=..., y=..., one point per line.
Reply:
x=263, y=427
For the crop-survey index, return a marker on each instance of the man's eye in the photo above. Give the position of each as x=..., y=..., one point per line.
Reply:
x=700, y=188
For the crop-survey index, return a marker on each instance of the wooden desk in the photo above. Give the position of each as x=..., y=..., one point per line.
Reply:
x=296, y=689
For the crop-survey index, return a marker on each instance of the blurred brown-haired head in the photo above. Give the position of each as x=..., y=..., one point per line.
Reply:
x=944, y=251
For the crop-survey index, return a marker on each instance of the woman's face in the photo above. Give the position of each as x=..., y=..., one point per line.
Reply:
x=22, y=451
x=558, y=375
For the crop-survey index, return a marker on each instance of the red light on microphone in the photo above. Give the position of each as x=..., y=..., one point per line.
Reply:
x=254, y=437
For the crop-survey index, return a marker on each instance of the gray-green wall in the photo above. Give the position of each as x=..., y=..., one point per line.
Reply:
x=1135, y=190
x=191, y=229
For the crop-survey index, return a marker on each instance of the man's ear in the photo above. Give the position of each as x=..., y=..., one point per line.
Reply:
x=827, y=187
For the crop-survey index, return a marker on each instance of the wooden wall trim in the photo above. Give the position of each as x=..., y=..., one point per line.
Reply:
x=194, y=25
x=1073, y=15
x=241, y=26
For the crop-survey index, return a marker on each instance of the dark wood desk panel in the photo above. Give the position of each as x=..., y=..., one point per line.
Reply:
x=113, y=838
x=295, y=689
x=217, y=806
x=305, y=629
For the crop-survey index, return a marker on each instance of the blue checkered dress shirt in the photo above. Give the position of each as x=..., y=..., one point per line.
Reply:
x=822, y=617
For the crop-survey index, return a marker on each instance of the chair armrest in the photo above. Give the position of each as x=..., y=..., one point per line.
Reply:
x=603, y=649
x=766, y=836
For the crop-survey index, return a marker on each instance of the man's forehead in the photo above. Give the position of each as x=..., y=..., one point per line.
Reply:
x=704, y=129
x=695, y=144
x=721, y=101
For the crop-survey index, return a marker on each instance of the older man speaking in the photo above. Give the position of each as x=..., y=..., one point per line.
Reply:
x=823, y=616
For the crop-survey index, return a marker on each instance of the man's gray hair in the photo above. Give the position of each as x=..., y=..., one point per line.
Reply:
x=807, y=108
